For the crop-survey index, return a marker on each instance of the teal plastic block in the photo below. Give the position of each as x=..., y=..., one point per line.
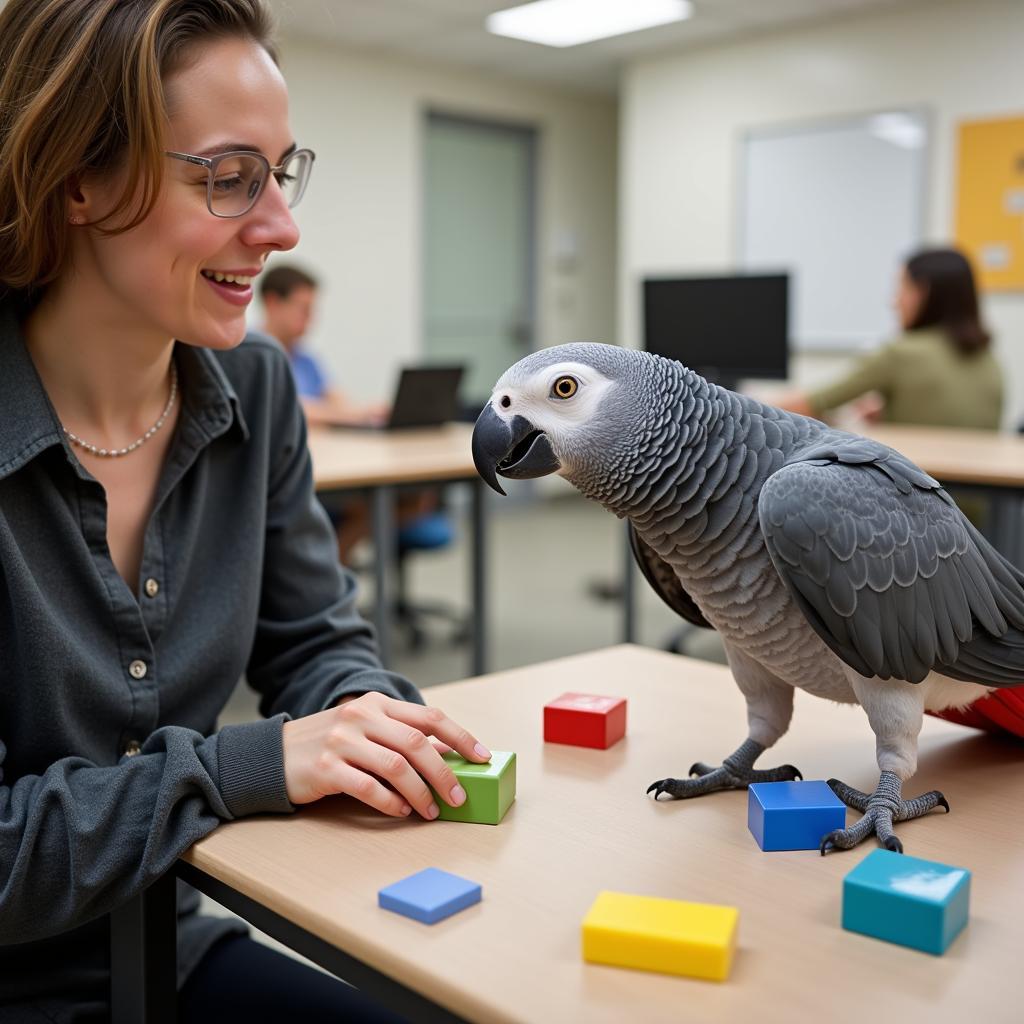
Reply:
x=912, y=902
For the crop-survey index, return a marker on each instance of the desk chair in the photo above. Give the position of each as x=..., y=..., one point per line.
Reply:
x=430, y=532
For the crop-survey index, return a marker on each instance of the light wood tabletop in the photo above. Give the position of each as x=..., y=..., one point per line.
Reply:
x=582, y=823
x=350, y=458
x=959, y=456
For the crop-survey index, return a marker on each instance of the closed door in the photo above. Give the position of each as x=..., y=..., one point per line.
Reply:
x=478, y=272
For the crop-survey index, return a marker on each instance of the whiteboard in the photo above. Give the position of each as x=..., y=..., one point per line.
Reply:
x=839, y=205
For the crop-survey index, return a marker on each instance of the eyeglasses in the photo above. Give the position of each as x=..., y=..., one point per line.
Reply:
x=235, y=181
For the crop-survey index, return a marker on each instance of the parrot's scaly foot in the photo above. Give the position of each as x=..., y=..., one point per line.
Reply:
x=880, y=810
x=736, y=772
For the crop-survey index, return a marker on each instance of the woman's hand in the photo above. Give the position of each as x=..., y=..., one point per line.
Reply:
x=349, y=748
x=870, y=407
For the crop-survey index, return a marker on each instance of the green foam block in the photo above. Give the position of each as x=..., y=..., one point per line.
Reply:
x=490, y=788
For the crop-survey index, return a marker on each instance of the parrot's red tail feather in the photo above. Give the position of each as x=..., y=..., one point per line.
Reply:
x=999, y=711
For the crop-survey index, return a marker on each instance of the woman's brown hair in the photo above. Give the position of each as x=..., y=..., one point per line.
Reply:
x=950, y=298
x=81, y=93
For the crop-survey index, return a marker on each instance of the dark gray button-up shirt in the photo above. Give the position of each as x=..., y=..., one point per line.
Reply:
x=111, y=763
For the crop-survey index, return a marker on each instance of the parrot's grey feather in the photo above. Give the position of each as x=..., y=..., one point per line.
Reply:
x=888, y=571
x=826, y=562
x=785, y=535
x=665, y=582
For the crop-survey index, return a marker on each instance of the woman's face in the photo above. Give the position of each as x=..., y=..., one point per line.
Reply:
x=909, y=299
x=231, y=96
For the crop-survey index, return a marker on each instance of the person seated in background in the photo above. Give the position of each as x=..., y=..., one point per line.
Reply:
x=939, y=372
x=289, y=305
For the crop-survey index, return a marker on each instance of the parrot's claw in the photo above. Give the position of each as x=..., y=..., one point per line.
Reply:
x=733, y=774
x=681, y=789
x=880, y=810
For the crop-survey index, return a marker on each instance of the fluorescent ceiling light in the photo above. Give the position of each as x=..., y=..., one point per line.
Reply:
x=571, y=22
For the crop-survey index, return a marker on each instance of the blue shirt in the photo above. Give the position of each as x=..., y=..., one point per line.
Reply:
x=310, y=379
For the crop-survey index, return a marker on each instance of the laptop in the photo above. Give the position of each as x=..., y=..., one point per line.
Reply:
x=426, y=396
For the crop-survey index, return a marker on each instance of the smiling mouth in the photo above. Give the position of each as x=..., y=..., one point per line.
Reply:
x=519, y=452
x=239, y=281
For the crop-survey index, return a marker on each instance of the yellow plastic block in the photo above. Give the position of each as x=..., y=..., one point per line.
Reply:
x=652, y=934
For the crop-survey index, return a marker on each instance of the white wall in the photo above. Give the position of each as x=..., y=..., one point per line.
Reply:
x=361, y=218
x=682, y=116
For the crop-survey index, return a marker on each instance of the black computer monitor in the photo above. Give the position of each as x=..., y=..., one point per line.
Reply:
x=725, y=328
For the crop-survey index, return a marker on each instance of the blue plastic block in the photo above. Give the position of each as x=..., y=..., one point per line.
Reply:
x=918, y=903
x=430, y=895
x=793, y=815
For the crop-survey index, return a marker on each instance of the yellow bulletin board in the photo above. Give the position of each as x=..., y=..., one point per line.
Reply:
x=990, y=200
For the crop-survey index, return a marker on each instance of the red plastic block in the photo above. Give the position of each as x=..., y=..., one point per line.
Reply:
x=585, y=720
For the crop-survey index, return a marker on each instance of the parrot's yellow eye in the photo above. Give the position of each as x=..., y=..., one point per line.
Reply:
x=565, y=387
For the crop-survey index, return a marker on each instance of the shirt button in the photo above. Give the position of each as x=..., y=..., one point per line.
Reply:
x=131, y=748
x=137, y=669
x=152, y=587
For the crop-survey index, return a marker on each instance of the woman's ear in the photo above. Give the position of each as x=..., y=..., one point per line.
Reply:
x=77, y=203
x=89, y=198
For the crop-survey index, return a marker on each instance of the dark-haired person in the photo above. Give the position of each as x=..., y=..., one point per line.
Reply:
x=156, y=507
x=289, y=305
x=939, y=372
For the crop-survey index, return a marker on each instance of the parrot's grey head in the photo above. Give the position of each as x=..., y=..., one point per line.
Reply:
x=588, y=412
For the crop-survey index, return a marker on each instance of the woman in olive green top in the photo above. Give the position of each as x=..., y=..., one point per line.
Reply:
x=940, y=372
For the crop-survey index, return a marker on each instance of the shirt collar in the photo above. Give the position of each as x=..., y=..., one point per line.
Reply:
x=29, y=423
x=207, y=392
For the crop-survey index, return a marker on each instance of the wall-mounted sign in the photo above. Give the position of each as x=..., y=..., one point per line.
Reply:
x=990, y=200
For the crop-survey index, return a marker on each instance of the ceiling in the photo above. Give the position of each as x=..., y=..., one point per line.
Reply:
x=452, y=31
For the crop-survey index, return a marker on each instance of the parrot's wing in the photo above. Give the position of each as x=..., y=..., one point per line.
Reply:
x=665, y=582
x=888, y=571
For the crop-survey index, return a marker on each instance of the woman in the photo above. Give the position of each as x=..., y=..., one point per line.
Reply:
x=158, y=530
x=941, y=370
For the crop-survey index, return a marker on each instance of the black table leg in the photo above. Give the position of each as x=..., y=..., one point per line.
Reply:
x=478, y=569
x=385, y=548
x=144, y=957
x=628, y=588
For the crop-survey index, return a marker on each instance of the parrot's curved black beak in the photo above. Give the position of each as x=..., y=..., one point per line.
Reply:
x=516, y=449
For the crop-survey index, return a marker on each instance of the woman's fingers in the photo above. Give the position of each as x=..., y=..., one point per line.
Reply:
x=351, y=780
x=392, y=764
x=420, y=752
x=434, y=722
x=365, y=745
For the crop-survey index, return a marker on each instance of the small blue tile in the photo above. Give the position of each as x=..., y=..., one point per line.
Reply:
x=912, y=902
x=793, y=815
x=430, y=895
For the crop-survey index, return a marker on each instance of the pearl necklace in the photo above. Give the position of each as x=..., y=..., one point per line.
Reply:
x=111, y=453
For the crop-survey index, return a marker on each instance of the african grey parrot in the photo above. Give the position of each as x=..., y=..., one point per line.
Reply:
x=825, y=560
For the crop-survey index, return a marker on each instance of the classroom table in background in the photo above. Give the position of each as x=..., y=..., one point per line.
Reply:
x=582, y=823
x=974, y=458
x=983, y=460
x=378, y=462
